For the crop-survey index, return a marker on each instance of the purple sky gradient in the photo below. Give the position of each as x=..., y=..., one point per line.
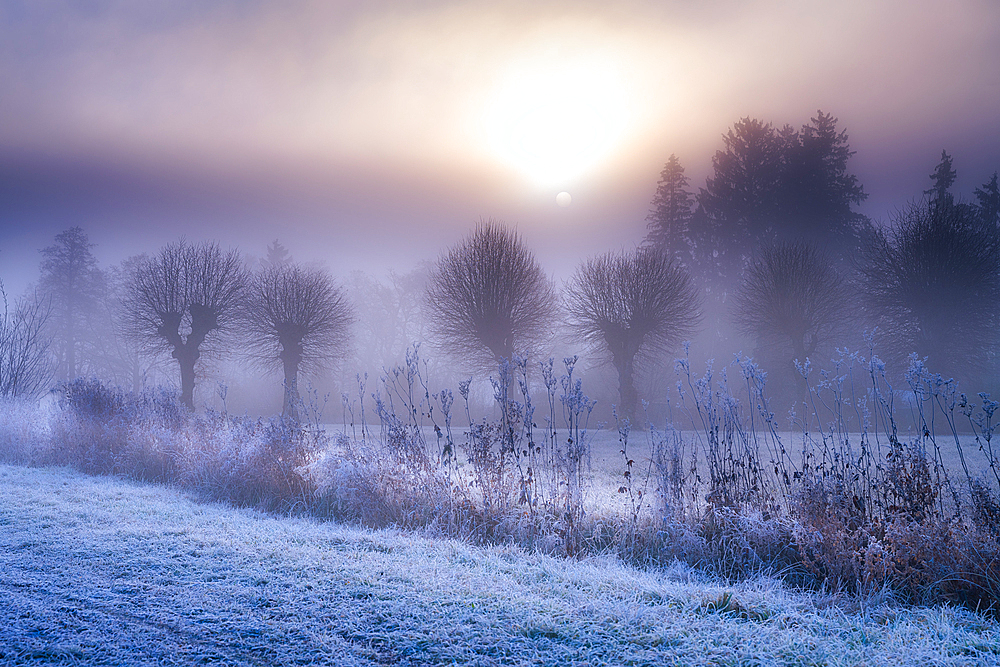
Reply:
x=355, y=132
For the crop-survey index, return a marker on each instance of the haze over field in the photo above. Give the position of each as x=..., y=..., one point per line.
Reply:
x=711, y=283
x=374, y=134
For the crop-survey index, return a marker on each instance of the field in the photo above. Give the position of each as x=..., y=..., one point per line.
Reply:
x=96, y=570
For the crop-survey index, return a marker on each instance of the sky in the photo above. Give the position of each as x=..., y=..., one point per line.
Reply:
x=373, y=135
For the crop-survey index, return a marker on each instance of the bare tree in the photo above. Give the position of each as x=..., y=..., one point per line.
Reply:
x=932, y=281
x=632, y=306
x=24, y=345
x=488, y=297
x=296, y=319
x=793, y=302
x=114, y=354
x=391, y=319
x=791, y=293
x=182, y=298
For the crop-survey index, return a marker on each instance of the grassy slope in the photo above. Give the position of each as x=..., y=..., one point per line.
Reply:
x=101, y=571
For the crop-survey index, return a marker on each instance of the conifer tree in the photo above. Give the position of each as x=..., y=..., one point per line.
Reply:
x=988, y=202
x=74, y=286
x=943, y=177
x=671, y=213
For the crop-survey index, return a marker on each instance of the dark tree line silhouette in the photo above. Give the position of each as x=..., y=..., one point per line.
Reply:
x=771, y=243
x=767, y=186
x=775, y=222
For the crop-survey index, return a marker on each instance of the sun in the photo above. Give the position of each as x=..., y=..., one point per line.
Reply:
x=555, y=123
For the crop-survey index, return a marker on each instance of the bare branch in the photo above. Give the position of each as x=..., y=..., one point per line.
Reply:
x=792, y=294
x=183, y=297
x=24, y=345
x=296, y=319
x=632, y=306
x=488, y=298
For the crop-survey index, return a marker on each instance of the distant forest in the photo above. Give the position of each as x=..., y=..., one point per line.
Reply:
x=770, y=254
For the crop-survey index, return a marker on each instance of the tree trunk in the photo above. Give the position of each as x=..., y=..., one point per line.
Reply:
x=186, y=358
x=70, y=349
x=290, y=406
x=500, y=353
x=291, y=356
x=627, y=393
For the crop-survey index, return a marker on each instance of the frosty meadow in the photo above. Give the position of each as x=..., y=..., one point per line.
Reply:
x=500, y=333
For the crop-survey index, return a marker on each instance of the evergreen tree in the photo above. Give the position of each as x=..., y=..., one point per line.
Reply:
x=770, y=186
x=671, y=213
x=819, y=190
x=943, y=177
x=277, y=255
x=74, y=285
x=988, y=202
x=738, y=201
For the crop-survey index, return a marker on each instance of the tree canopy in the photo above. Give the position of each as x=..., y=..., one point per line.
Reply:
x=488, y=297
x=632, y=307
x=773, y=185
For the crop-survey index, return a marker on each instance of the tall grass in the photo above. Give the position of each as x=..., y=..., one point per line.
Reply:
x=862, y=490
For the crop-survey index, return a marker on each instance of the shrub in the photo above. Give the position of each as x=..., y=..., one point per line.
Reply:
x=860, y=507
x=251, y=462
x=152, y=436
x=92, y=431
x=25, y=430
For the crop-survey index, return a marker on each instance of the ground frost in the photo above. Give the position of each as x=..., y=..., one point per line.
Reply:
x=102, y=571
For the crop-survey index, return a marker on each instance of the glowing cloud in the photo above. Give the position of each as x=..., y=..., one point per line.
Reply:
x=555, y=121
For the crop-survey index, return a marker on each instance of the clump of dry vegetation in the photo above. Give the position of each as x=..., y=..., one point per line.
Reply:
x=850, y=502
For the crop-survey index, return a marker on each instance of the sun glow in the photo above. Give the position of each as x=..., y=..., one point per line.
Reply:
x=555, y=123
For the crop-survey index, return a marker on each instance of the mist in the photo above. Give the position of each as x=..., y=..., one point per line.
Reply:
x=369, y=141
x=483, y=333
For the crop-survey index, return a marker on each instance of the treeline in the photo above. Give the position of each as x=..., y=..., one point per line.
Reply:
x=184, y=302
x=774, y=240
x=771, y=248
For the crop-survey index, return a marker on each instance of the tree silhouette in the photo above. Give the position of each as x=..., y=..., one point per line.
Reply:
x=296, y=319
x=793, y=302
x=488, y=298
x=392, y=319
x=277, y=255
x=182, y=298
x=631, y=307
x=671, y=213
x=988, y=202
x=24, y=345
x=74, y=286
x=943, y=177
x=932, y=282
x=770, y=186
x=818, y=190
x=114, y=354
x=741, y=199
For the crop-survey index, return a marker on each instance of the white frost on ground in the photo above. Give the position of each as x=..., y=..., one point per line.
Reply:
x=103, y=571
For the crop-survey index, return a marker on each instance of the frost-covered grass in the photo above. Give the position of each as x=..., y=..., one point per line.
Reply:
x=840, y=510
x=104, y=571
